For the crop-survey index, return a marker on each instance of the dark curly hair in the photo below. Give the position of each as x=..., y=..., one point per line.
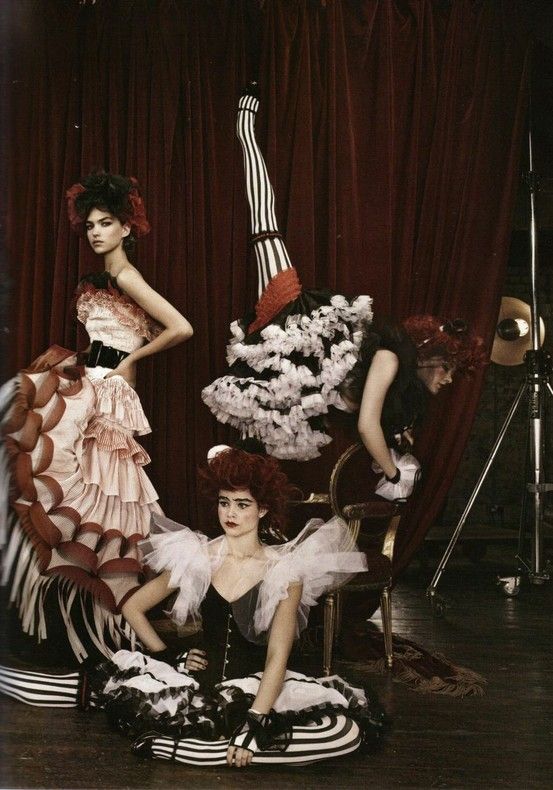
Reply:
x=384, y=335
x=234, y=469
x=120, y=195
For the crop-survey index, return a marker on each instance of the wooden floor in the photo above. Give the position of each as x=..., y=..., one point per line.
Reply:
x=503, y=739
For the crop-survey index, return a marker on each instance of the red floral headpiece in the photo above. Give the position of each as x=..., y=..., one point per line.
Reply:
x=119, y=195
x=452, y=339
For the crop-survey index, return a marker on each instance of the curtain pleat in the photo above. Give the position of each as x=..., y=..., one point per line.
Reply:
x=391, y=130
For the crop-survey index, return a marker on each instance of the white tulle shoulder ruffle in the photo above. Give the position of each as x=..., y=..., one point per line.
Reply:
x=320, y=558
x=188, y=556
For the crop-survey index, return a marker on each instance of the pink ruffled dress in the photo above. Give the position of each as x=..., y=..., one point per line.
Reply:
x=81, y=500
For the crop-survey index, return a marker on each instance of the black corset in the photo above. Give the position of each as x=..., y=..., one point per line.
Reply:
x=229, y=653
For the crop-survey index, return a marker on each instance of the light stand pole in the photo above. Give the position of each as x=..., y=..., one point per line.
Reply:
x=536, y=386
x=538, y=372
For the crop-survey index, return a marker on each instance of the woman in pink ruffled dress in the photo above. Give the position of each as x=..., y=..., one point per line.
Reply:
x=81, y=499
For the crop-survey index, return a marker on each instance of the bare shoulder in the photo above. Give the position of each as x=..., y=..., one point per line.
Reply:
x=129, y=277
x=386, y=359
x=382, y=371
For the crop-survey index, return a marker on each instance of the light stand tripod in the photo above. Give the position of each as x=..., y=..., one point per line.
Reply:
x=536, y=385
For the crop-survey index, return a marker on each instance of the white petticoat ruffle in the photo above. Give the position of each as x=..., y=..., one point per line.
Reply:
x=155, y=679
x=299, y=692
x=304, y=334
x=167, y=691
x=276, y=411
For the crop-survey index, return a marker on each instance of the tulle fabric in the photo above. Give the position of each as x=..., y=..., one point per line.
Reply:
x=320, y=558
x=184, y=554
x=284, y=378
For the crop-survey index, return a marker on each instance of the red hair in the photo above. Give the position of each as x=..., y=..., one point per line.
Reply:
x=235, y=469
x=451, y=340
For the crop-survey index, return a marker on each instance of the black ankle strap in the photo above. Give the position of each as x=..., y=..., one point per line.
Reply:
x=265, y=234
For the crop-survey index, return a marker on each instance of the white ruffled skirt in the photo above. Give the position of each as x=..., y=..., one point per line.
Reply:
x=140, y=694
x=284, y=377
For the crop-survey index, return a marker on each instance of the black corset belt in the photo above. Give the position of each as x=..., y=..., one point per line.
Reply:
x=104, y=356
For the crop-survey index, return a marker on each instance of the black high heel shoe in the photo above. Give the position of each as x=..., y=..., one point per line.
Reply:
x=251, y=89
x=142, y=747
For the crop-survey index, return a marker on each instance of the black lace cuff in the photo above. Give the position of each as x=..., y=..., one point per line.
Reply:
x=252, y=734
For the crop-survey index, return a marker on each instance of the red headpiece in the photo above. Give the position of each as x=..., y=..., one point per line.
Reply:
x=117, y=194
x=452, y=340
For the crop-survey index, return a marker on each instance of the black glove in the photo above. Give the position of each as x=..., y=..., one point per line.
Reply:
x=251, y=734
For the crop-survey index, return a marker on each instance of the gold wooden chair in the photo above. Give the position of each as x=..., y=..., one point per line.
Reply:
x=373, y=525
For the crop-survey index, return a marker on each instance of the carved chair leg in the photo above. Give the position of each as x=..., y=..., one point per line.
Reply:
x=386, y=609
x=329, y=628
x=337, y=616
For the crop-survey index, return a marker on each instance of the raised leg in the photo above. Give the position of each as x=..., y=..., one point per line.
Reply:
x=270, y=251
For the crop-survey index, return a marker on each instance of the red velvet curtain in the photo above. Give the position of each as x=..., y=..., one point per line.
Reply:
x=392, y=131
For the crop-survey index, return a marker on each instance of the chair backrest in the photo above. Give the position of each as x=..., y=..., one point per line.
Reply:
x=351, y=497
x=351, y=492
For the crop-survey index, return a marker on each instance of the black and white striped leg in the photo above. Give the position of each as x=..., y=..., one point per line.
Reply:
x=270, y=251
x=40, y=688
x=335, y=736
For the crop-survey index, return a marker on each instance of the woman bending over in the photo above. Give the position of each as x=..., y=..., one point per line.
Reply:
x=305, y=351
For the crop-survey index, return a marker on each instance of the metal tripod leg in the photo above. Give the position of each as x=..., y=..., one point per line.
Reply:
x=538, y=487
x=431, y=590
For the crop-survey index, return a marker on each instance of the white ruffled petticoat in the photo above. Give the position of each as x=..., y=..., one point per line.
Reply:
x=294, y=368
x=159, y=691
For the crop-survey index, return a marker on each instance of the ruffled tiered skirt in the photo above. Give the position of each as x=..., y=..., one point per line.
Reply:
x=284, y=376
x=81, y=501
x=140, y=694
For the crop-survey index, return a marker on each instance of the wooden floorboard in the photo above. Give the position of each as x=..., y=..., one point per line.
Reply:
x=503, y=739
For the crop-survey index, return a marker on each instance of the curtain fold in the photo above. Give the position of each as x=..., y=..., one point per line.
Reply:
x=392, y=134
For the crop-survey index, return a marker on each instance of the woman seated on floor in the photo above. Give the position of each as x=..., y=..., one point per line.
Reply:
x=233, y=699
